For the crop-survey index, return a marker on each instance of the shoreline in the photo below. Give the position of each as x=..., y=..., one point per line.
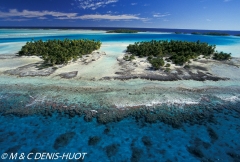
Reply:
x=114, y=100
x=104, y=66
x=105, y=87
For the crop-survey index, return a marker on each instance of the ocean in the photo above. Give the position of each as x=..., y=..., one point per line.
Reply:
x=135, y=120
x=11, y=40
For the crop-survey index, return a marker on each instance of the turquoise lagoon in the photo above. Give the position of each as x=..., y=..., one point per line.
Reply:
x=11, y=40
x=211, y=135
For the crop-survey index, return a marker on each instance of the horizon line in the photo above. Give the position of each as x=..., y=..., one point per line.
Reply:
x=111, y=27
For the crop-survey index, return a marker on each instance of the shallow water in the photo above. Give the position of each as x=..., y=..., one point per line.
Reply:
x=21, y=36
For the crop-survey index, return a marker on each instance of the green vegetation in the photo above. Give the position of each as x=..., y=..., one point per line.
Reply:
x=196, y=33
x=122, y=31
x=129, y=58
x=216, y=34
x=178, y=33
x=222, y=56
x=210, y=33
x=59, y=52
x=156, y=62
x=179, y=52
x=167, y=65
x=238, y=35
x=167, y=70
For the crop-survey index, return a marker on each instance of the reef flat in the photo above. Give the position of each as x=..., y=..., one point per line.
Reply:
x=103, y=85
x=109, y=89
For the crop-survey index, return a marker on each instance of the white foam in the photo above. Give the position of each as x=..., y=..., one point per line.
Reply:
x=169, y=102
x=231, y=98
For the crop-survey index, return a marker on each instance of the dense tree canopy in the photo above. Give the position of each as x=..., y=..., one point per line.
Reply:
x=211, y=33
x=156, y=62
x=59, y=52
x=216, y=34
x=221, y=56
x=122, y=31
x=179, y=52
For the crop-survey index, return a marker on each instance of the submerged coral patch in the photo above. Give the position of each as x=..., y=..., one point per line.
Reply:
x=63, y=140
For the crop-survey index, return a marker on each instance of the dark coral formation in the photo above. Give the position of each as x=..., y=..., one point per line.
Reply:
x=146, y=141
x=195, y=151
x=213, y=135
x=202, y=144
x=111, y=150
x=169, y=114
x=234, y=156
x=107, y=130
x=199, y=76
x=69, y=75
x=63, y=140
x=93, y=140
x=136, y=154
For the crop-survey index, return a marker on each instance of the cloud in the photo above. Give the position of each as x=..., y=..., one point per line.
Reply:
x=13, y=14
x=93, y=4
x=19, y=20
x=158, y=15
x=105, y=17
x=34, y=14
x=208, y=20
x=227, y=0
x=133, y=4
x=42, y=18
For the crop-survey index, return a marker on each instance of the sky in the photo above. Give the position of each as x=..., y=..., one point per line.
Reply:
x=176, y=14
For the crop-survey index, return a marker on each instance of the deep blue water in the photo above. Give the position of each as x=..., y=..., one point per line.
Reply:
x=127, y=140
x=214, y=137
x=231, y=32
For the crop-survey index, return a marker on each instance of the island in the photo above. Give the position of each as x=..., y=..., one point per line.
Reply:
x=211, y=33
x=196, y=33
x=122, y=31
x=160, y=60
x=178, y=52
x=172, y=60
x=59, y=51
x=177, y=32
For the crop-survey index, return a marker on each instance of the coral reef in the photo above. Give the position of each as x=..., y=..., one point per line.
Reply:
x=174, y=115
x=69, y=75
x=136, y=154
x=146, y=141
x=195, y=151
x=93, y=140
x=234, y=156
x=111, y=150
x=63, y=140
x=213, y=135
